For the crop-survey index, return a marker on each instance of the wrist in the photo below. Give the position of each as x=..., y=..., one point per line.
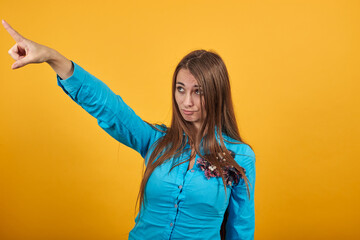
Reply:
x=60, y=64
x=53, y=56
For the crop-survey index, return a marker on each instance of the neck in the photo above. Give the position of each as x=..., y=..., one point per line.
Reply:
x=197, y=127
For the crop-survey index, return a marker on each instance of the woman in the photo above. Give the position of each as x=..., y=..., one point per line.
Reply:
x=200, y=175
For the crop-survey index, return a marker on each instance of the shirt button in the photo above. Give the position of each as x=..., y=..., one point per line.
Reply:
x=176, y=205
x=171, y=224
x=180, y=187
x=192, y=170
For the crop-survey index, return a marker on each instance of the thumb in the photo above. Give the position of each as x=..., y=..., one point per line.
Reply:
x=20, y=63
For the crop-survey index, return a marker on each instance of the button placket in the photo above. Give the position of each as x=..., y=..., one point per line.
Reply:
x=183, y=179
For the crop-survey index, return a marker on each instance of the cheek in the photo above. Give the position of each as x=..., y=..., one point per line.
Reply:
x=177, y=99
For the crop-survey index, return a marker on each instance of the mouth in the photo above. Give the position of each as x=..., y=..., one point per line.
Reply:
x=188, y=112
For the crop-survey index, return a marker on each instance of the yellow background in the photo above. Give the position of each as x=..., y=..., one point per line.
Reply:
x=294, y=68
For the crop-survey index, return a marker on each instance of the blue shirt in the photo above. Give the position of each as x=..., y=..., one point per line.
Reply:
x=182, y=204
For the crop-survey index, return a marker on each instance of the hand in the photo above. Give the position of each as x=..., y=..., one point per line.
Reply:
x=26, y=51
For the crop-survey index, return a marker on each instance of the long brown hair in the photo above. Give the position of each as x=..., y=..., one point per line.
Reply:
x=210, y=71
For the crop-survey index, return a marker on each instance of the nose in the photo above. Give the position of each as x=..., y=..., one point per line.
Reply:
x=188, y=101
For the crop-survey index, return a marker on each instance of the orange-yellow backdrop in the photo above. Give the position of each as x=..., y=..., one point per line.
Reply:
x=294, y=67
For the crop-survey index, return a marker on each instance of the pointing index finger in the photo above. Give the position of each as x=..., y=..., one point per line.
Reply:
x=14, y=34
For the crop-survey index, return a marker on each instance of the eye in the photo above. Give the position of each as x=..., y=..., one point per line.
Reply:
x=180, y=89
x=198, y=92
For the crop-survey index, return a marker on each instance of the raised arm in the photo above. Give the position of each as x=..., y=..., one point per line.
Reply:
x=111, y=112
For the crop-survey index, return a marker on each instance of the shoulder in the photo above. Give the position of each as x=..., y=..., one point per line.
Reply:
x=241, y=150
x=159, y=131
x=159, y=127
x=244, y=155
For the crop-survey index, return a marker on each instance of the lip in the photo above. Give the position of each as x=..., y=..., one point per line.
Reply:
x=187, y=112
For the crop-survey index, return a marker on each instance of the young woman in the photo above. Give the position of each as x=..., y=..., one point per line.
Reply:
x=200, y=176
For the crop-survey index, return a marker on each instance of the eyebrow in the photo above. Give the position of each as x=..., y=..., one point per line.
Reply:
x=184, y=84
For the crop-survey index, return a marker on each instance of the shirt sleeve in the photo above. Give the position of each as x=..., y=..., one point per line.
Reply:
x=241, y=219
x=112, y=113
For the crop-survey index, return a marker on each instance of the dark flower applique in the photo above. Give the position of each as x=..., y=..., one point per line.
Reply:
x=231, y=174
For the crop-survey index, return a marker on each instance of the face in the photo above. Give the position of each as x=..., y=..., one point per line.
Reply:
x=187, y=96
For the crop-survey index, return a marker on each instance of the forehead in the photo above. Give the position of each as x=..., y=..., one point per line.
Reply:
x=184, y=76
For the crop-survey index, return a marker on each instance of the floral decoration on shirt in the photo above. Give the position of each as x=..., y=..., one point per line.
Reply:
x=231, y=174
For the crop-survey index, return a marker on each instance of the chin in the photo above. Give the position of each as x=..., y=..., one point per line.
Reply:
x=188, y=119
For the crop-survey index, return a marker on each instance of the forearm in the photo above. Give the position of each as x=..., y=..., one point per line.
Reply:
x=60, y=64
x=111, y=112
